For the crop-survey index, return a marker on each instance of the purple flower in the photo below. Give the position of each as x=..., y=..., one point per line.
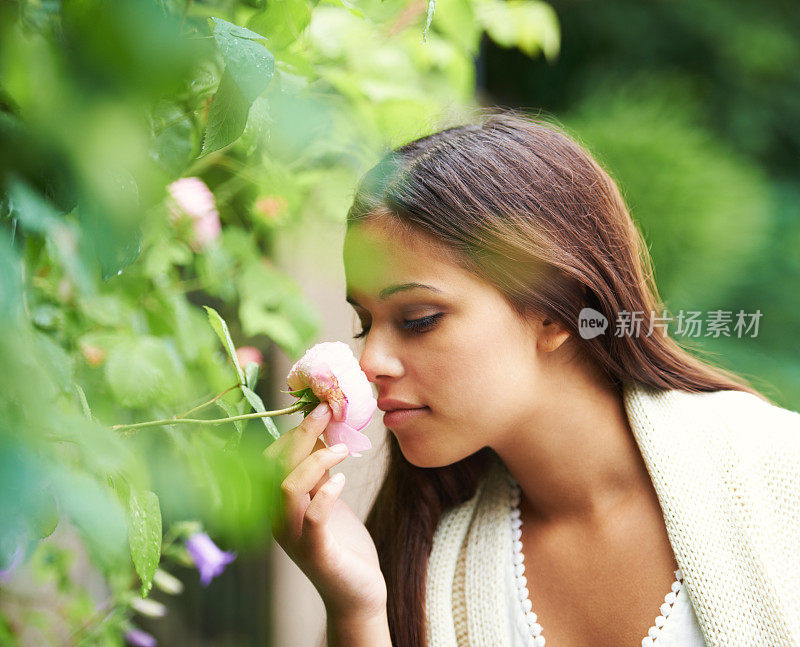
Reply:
x=16, y=560
x=209, y=559
x=140, y=638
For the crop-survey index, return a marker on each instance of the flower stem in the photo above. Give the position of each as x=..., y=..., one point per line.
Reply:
x=247, y=416
x=211, y=401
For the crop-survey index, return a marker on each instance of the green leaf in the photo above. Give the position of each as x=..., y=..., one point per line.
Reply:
x=530, y=25
x=231, y=411
x=272, y=304
x=251, y=373
x=347, y=4
x=304, y=395
x=10, y=283
x=109, y=310
x=55, y=361
x=38, y=215
x=428, y=19
x=282, y=20
x=258, y=405
x=145, y=535
x=110, y=220
x=172, y=136
x=221, y=328
x=304, y=317
x=249, y=63
x=143, y=371
x=227, y=117
x=249, y=68
x=92, y=507
x=257, y=131
x=224, y=27
x=309, y=396
x=43, y=514
x=456, y=20
x=84, y=402
x=257, y=320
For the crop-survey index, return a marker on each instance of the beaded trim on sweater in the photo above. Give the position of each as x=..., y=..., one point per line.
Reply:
x=527, y=618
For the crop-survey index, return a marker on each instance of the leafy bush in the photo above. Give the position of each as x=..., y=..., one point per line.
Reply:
x=107, y=108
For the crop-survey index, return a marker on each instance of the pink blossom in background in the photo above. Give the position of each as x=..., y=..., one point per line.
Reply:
x=271, y=207
x=191, y=197
x=247, y=354
x=207, y=230
x=94, y=355
x=333, y=374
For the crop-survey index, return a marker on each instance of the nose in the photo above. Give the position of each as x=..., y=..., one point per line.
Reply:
x=378, y=359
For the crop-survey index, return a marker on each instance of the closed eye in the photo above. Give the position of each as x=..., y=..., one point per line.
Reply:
x=422, y=325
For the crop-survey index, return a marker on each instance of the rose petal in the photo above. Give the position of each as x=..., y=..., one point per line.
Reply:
x=340, y=432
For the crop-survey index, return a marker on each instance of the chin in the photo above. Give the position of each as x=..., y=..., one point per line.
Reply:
x=421, y=454
x=421, y=460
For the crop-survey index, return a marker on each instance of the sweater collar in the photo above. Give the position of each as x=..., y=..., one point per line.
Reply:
x=688, y=443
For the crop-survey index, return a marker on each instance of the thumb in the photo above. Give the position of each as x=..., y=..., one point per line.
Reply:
x=305, y=435
x=318, y=419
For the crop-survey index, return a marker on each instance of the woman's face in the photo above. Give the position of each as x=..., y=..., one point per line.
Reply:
x=471, y=361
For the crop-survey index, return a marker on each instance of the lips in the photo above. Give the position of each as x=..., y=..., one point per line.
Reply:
x=389, y=404
x=398, y=417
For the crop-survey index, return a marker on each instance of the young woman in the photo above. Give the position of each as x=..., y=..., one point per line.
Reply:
x=544, y=484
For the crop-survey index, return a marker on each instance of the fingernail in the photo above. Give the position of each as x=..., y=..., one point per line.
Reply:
x=338, y=477
x=339, y=448
x=321, y=410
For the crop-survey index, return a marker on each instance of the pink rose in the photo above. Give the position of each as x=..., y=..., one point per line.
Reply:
x=191, y=196
x=247, y=354
x=332, y=373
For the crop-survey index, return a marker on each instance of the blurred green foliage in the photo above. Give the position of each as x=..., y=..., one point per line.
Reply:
x=691, y=106
x=279, y=107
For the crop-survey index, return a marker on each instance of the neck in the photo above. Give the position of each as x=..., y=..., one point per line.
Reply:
x=576, y=459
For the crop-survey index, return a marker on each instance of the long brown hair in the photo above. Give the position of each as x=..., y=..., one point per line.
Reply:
x=525, y=207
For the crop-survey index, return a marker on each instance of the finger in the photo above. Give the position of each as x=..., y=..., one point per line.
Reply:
x=279, y=520
x=326, y=476
x=296, y=487
x=307, y=475
x=305, y=435
x=319, y=444
x=321, y=506
x=296, y=444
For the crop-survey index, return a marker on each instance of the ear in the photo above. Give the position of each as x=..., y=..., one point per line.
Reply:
x=551, y=335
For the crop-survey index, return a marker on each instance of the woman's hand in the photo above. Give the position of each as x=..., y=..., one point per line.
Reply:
x=319, y=531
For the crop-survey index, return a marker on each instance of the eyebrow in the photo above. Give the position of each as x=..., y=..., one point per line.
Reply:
x=392, y=289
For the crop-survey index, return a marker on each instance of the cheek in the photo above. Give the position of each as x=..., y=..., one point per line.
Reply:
x=498, y=365
x=491, y=382
x=475, y=373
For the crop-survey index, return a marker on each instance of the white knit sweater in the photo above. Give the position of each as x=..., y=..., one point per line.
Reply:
x=726, y=469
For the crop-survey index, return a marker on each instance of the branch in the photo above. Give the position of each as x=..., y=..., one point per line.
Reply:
x=247, y=416
x=211, y=401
